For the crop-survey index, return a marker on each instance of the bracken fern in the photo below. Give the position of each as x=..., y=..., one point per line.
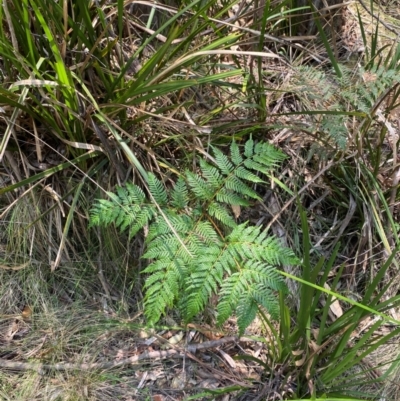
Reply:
x=195, y=247
x=355, y=91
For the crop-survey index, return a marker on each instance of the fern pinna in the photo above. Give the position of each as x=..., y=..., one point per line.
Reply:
x=194, y=246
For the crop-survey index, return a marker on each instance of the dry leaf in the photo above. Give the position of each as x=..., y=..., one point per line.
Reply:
x=177, y=383
x=12, y=330
x=300, y=362
x=297, y=352
x=26, y=312
x=228, y=359
x=314, y=346
x=176, y=338
x=143, y=334
x=335, y=307
x=315, y=332
x=208, y=383
x=236, y=210
x=210, y=334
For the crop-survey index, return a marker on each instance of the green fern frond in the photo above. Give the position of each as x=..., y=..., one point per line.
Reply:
x=220, y=213
x=245, y=174
x=230, y=291
x=265, y=275
x=194, y=237
x=193, y=244
x=180, y=194
x=161, y=292
x=212, y=175
x=130, y=194
x=157, y=190
x=336, y=126
x=203, y=281
x=205, y=231
x=241, y=286
x=249, y=148
x=230, y=198
x=235, y=184
x=161, y=267
x=268, y=155
x=249, y=242
x=236, y=157
x=104, y=212
x=223, y=161
x=169, y=247
x=138, y=221
x=163, y=247
x=181, y=223
x=245, y=233
x=253, y=165
x=128, y=210
x=199, y=186
x=246, y=310
x=267, y=299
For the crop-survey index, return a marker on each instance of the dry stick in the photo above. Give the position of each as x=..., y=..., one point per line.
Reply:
x=171, y=353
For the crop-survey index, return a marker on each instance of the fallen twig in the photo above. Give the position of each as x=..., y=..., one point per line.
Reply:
x=171, y=353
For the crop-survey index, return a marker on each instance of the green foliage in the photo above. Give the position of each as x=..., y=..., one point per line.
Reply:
x=194, y=245
x=339, y=99
x=325, y=354
x=364, y=93
x=128, y=208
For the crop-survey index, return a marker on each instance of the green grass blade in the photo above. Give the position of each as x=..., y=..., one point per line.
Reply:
x=49, y=172
x=149, y=40
x=62, y=75
x=327, y=45
x=306, y=294
x=342, y=298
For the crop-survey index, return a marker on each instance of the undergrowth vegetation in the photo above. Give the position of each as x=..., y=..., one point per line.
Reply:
x=196, y=247
x=161, y=165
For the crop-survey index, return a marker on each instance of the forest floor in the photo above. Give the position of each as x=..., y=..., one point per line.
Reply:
x=77, y=332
